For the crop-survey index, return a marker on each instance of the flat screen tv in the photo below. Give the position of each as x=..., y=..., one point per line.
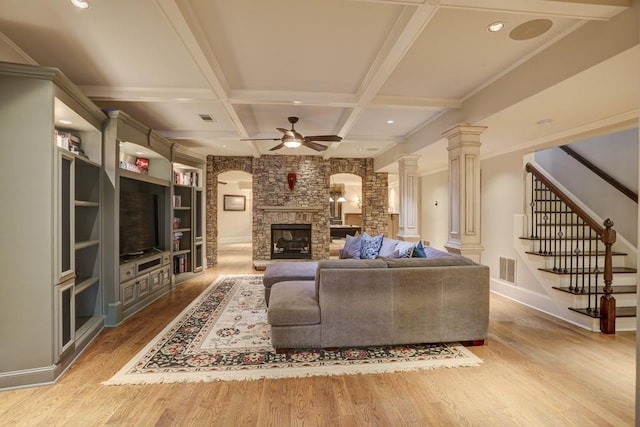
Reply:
x=138, y=222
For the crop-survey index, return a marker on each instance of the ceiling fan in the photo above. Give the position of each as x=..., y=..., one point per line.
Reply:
x=292, y=139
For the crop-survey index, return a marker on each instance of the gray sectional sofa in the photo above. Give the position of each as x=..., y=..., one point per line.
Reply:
x=363, y=302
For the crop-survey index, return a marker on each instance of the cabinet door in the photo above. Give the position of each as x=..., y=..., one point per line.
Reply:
x=128, y=292
x=65, y=239
x=64, y=318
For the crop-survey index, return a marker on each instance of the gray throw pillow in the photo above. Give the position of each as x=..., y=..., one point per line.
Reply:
x=351, y=247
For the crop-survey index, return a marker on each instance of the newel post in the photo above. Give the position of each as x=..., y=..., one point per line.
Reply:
x=607, y=301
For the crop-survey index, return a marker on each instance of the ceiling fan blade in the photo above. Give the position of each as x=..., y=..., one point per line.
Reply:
x=277, y=147
x=313, y=145
x=285, y=131
x=260, y=139
x=329, y=138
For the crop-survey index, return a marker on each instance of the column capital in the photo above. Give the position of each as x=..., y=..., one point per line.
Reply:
x=408, y=159
x=462, y=135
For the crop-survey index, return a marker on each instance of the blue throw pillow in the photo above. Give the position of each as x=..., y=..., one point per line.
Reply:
x=351, y=247
x=418, y=251
x=370, y=246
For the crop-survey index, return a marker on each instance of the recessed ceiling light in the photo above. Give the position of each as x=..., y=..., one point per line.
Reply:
x=494, y=27
x=297, y=102
x=80, y=4
x=360, y=149
x=224, y=145
x=390, y=122
x=65, y=122
x=544, y=122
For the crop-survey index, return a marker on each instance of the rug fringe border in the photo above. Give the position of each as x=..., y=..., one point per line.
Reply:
x=470, y=360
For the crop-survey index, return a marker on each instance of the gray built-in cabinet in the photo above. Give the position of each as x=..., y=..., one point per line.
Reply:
x=87, y=221
x=137, y=192
x=51, y=253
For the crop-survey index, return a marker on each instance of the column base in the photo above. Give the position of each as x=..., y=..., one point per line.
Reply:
x=472, y=252
x=408, y=237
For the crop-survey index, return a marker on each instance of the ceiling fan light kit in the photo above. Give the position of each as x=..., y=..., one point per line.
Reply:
x=293, y=139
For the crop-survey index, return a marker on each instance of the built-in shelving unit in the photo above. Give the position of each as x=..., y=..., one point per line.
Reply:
x=52, y=250
x=187, y=222
x=138, y=193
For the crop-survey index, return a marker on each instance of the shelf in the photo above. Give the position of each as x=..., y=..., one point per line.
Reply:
x=182, y=208
x=185, y=251
x=82, y=283
x=146, y=178
x=180, y=230
x=85, y=324
x=86, y=204
x=86, y=244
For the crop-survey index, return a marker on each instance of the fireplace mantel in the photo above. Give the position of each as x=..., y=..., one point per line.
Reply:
x=291, y=208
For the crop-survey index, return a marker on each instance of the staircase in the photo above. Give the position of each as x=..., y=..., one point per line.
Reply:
x=573, y=254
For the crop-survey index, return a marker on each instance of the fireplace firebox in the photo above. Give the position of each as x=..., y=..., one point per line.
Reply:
x=290, y=241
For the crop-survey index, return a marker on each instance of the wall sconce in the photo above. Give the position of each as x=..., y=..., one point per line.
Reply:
x=341, y=199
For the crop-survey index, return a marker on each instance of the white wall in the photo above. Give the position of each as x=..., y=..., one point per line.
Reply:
x=234, y=226
x=615, y=154
x=434, y=214
x=351, y=193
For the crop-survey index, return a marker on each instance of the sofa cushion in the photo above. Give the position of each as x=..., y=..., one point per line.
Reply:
x=347, y=264
x=286, y=271
x=444, y=261
x=293, y=303
x=370, y=246
x=289, y=270
x=351, y=247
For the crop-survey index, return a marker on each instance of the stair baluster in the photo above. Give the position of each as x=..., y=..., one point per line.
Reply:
x=552, y=210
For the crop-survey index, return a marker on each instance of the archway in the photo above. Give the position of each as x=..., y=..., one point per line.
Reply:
x=235, y=211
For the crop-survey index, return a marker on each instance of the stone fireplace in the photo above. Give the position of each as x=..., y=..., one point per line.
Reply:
x=307, y=202
x=290, y=241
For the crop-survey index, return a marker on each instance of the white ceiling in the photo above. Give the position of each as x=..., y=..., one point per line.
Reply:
x=343, y=67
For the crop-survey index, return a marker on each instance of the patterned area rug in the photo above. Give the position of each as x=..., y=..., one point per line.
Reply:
x=224, y=335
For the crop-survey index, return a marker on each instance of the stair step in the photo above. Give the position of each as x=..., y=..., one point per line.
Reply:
x=617, y=290
x=620, y=312
x=586, y=254
x=537, y=238
x=616, y=270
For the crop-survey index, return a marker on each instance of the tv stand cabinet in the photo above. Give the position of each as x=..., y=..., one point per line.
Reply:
x=143, y=280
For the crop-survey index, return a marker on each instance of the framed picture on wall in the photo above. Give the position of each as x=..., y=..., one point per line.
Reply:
x=234, y=203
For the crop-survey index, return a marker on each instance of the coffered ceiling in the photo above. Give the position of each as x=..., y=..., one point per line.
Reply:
x=389, y=76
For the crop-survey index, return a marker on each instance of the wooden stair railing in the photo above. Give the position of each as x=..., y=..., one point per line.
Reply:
x=602, y=174
x=562, y=213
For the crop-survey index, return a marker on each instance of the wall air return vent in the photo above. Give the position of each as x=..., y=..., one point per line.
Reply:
x=508, y=270
x=207, y=118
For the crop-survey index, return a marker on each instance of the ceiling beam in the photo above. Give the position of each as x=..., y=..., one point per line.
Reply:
x=588, y=46
x=148, y=94
x=275, y=97
x=183, y=20
x=406, y=30
x=577, y=9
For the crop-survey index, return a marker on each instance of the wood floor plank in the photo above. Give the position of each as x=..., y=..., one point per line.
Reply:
x=536, y=371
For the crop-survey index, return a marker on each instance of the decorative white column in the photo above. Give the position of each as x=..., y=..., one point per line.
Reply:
x=464, y=190
x=408, y=189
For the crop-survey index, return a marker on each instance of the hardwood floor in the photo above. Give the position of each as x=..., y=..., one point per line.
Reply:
x=537, y=371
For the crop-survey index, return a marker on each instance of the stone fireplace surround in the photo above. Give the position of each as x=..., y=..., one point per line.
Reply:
x=275, y=203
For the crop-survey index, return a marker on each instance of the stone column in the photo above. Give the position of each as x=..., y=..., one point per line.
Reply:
x=408, y=189
x=464, y=190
